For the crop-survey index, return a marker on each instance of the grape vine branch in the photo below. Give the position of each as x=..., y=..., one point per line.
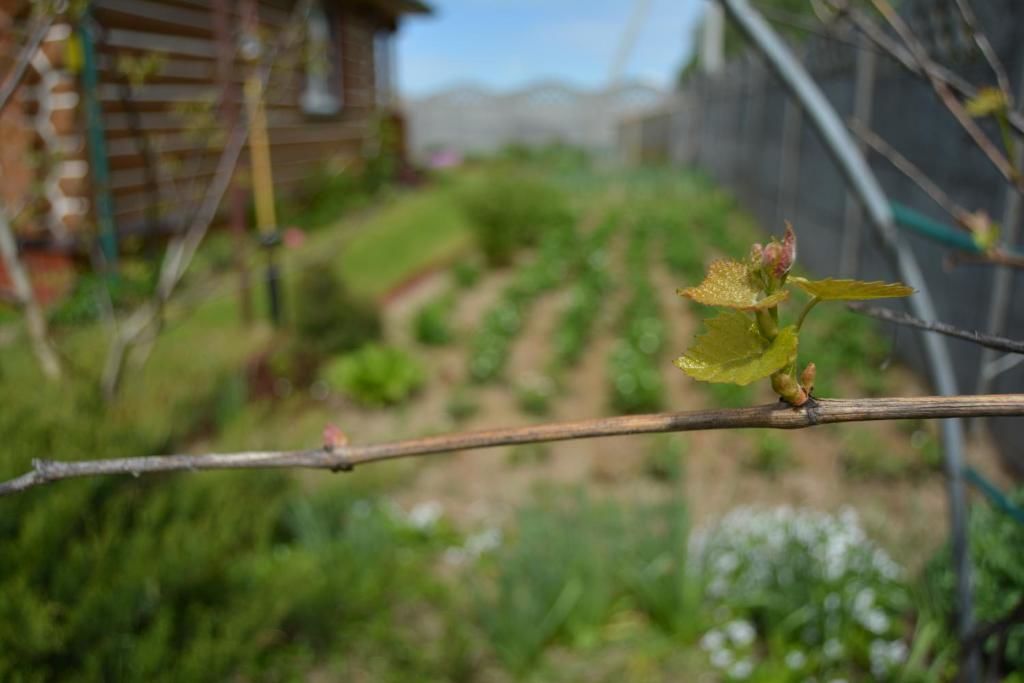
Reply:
x=344, y=458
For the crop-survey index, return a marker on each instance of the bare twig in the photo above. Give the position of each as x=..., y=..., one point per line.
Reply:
x=946, y=96
x=930, y=70
x=898, y=317
x=998, y=257
x=145, y=322
x=24, y=58
x=987, y=51
x=961, y=216
x=343, y=458
x=21, y=285
x=907, y=167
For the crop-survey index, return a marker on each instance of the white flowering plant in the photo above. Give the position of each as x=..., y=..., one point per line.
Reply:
x=799, y=594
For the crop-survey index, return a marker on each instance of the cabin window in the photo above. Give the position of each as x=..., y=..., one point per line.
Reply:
x=322, y=94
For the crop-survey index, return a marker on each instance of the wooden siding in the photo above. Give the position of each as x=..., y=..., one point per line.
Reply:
x=146, y=125
x=183, y=33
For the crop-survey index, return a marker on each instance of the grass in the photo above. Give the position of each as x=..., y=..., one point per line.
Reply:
x=410, y=235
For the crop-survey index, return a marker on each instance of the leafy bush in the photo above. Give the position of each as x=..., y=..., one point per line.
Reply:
x=636, y=385
x=465, y=274
x=92, y=292
x=996, y=540
x=375, y=375
x=509, y=209
x=801, y=594
x=210, y=579
x=432, y=323
x=462, y=404
x=572, y=563
x=534, y=395
x=328, y=319
x=665, y=459
x=771, y=454
x=865, y=457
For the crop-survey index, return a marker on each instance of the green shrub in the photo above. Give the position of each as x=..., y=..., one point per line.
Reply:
x=996, y=540
x=572, y=562
x=636, y=385
x=465, y=274
x=325, y=196
x=328, y=319
x=771, y=454
x=92, y=293
x=432, y=323
x=462, y=404
x=375, y=375
x=212, y=578
x=799, y=594
x=864, y=457
x=665, y=460
x=535, y=394
x=510, y=209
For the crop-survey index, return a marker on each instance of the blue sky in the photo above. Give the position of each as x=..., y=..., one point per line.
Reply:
x=505, y=44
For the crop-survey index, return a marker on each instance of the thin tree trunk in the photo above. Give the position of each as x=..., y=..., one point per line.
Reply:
x=35, y=321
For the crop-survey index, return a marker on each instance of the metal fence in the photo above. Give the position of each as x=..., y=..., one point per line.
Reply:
x=743, y=129
x=478, y=121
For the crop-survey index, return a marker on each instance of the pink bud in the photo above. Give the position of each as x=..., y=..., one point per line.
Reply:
x=777, y=258
x=334, y=437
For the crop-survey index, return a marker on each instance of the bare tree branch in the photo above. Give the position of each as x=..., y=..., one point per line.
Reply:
x=344, y=458
x=898, y=317
x=998, y=257
x=946, y=96
x=982, y=41
x=907, y=167
x=145, y=322
x=929, y=70
x=24, y=58
x=963, y=218
x=35, y=321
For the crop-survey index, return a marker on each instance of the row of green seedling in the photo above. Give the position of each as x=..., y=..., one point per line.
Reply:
x=576, y=326
x=492, y=343
x=634, y=370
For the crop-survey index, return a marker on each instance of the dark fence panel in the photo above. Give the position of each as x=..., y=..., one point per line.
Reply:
x=743, y=129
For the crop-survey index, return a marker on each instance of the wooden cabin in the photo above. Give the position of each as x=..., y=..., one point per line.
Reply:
x=122, y=114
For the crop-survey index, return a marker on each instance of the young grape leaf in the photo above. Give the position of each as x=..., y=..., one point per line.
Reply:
x=849, y=290
x=728, y=284
x=733, y=351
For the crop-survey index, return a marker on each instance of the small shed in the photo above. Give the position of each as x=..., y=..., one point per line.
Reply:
x=121, y=116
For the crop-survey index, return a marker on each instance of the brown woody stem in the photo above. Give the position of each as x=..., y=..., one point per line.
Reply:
x=774, y=416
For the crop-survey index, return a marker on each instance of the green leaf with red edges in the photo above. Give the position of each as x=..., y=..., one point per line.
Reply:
x=851, y=290
x=733, y=351
x=728, y=284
